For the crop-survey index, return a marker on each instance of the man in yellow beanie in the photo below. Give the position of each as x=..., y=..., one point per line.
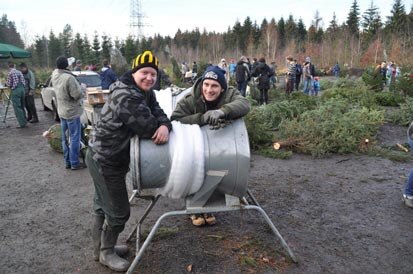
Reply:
x=131, y=110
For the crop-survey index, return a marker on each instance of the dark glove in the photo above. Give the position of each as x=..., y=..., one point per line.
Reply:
x=212, y=117
x=221, y=124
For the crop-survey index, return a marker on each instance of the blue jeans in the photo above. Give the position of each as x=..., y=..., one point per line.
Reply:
x=242, y=87
x=71, y=148
x=408, y=189
x=308, y=83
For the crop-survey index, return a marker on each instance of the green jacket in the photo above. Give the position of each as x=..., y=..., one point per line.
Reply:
x=190, y=109
x=68, y=94
x=30, y=82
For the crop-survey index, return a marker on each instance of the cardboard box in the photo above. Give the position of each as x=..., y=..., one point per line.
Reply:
x=96, y=96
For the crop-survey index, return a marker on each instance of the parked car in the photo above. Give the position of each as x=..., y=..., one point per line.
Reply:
x=90, y=79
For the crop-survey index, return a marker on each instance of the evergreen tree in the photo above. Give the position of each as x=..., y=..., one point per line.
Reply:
x=96, y=49
x=236, y=32
x=87, y=56
x=396, y=22
x=371, y=22
x=353, y=19
x=40, y=51
x=333, y=24
x=8, y=32
x=246, y=33
x=281, y=33
x=130, y=49
x=106, y=47
x=55, y=49
x=78, y=47
x=66, y=38
x=301, y=35
x=290, y=29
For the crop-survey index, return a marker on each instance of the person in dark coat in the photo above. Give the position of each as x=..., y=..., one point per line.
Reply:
x=264, y=73
x=242, y=75
x=107, y=75
x=131, y=109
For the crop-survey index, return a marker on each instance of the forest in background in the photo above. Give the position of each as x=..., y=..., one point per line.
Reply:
x=364, y=39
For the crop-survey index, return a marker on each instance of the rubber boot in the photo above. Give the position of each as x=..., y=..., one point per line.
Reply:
x=107, y=254
x=121, y=250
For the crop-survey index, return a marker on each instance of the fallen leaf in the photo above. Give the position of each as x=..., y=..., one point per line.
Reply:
x=189, y=268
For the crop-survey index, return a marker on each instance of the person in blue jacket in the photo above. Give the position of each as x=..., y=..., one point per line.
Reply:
x=107, y=75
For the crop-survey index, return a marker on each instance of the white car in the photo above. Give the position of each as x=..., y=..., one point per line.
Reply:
x=90, y=79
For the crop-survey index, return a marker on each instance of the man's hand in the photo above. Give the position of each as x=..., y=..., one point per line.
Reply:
x=221, y=124
x=161, y=135
x=212, y=117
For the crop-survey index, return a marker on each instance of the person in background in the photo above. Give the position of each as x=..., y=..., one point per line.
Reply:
x=131, y=110
x=194, y=67
x=69, y=100
x=107, y=75
x=263, y=73
x=224, y=66
x=242, y=75
x=408, y=191
x=316, y=86
x=336, y=70
x=383, y=73
x=298, y=73
x=273, y=78
x=290, y=81
x=232, y=67
x=16, y=82
x=211, y=102
x=308, y=79
x=30, y=86
x=78, y=66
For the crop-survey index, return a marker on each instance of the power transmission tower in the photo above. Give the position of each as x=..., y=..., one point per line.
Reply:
x=136, y=19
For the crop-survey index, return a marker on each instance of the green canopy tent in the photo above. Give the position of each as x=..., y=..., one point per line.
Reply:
x=7, y=51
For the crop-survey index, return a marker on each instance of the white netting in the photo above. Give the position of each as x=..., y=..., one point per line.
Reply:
x=186, y=149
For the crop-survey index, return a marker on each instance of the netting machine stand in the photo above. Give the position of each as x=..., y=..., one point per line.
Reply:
x=197, y=204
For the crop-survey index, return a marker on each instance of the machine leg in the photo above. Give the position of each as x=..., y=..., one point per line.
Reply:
x=249, y=193
x=150, y=236
x=274, y=230
x=137, y=228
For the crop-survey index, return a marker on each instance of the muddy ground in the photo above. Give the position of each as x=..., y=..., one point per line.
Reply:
x=341, y=214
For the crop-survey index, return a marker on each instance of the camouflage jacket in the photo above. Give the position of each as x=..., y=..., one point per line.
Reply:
x=128, y=112
x=190, y=109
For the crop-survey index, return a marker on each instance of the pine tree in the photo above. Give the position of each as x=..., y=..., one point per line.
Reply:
x=396, y=22
x=130, y=49
x=333, y=24
x=371, y=22
x=55, y=49
x=290, y=29
x=66, y=38
x=8, y=32
x=353, y=19
x=87, y=55
x=40, y=51
x=301, y=35
x=96, y=49
x=281, y=33
x=106, y=47
x=78, y=47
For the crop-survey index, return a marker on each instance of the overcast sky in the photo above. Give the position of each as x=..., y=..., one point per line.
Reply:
x=112, y=17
